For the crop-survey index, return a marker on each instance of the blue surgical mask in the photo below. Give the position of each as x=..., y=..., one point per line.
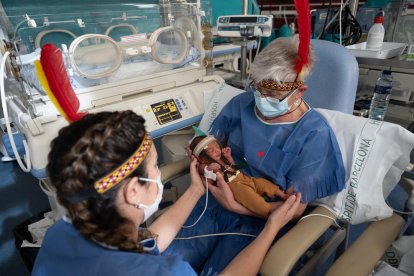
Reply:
x=271, y=107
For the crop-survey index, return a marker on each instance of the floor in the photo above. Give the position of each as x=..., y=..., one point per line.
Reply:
x=20, y=199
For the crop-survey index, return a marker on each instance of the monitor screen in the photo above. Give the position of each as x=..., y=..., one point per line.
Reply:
x=243, y=19
x=166, y=111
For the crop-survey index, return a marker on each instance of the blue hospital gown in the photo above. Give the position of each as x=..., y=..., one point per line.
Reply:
x=304, y=154
x=66, y=252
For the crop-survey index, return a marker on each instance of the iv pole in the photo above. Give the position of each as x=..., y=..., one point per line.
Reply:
x=243, y=47
x=241, y=82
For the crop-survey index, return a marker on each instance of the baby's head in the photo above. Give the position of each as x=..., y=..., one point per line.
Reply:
x=206, y=148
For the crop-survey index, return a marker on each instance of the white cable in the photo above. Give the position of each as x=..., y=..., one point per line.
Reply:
x=28, y=166
x=216, y=234
x=320, y=215
x=202, y=213
x=284, y=16
x=258, y=45
x=397, y=211
x=340, y=22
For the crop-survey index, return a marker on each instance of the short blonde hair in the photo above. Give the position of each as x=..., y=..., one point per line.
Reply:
x=277, y=61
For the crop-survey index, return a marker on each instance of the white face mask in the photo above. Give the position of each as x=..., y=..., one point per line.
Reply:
x=149, y=210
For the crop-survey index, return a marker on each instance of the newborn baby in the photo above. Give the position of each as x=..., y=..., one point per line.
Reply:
x=248, y=191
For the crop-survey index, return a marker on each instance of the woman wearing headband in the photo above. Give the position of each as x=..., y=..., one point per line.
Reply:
x=273, y=134
x=104, y=168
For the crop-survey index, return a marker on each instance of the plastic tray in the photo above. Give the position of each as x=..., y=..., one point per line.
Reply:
x=388, y=50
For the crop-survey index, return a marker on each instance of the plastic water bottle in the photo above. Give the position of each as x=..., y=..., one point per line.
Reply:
x=381, y=98
x=376, y=34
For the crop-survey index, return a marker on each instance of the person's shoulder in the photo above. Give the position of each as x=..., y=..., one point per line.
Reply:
x=61, y=227
x=245, y=97
x=241, y=99
x=315, y=121
x=148, y=264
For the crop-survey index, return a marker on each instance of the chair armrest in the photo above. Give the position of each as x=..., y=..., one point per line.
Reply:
x=173, y=170
x=365, y=252
x=284, y=254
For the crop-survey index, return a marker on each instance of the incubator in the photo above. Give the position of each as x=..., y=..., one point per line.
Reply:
x=144, y=57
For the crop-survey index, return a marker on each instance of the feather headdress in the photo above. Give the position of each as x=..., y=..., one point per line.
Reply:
x=52, y=74
x=302, y=8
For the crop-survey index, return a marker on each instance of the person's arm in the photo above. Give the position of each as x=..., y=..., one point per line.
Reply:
x=302, y=206
x=248, y=261
x=170, y=222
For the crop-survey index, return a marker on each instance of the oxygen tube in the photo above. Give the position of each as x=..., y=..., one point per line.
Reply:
x=28, y=166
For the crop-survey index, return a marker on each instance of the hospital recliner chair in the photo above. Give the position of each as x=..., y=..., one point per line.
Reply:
x=332, y=85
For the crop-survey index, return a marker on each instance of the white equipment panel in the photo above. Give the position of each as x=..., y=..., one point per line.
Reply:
x=244, y=25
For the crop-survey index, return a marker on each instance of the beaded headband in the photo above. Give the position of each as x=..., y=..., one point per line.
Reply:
x=284, y=86
x=120, y=173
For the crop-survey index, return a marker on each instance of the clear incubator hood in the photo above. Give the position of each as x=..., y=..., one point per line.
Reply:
x=147, y=56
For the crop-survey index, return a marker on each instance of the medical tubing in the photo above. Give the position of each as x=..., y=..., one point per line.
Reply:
x=6, y=119
x=320, y=215
x=326, y=18
x=216, y=234
x=202, y=213
x=255, y=7
x=21, y=83
x=354, y=27
x=333, y=19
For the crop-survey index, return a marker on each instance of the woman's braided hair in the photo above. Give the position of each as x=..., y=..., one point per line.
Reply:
x=82, y=153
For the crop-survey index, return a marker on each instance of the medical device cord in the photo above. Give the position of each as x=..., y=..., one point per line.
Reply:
x=28, y=166
x=202, y=213
x=326, y=19
x=320, y=215
x=355, y=31
x=214, y=234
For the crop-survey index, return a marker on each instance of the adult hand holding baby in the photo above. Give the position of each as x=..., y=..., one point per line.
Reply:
x=224, y=196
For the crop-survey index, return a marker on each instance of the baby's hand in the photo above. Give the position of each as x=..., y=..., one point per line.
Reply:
x=188, y=150
x=283, y=195
x=215, y=167
x=227, y=154
x=290, y=191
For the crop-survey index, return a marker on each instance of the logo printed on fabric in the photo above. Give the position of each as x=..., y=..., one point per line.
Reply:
x=360, y=158
x=213, y=113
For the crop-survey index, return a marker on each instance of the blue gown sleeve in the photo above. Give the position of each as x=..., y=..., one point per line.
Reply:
x=318, y=169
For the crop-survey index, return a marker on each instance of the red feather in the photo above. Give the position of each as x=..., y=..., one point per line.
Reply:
x=55, y=71
x=304, y=25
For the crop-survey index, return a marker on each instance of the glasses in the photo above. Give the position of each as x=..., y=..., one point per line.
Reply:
x=259, y=93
